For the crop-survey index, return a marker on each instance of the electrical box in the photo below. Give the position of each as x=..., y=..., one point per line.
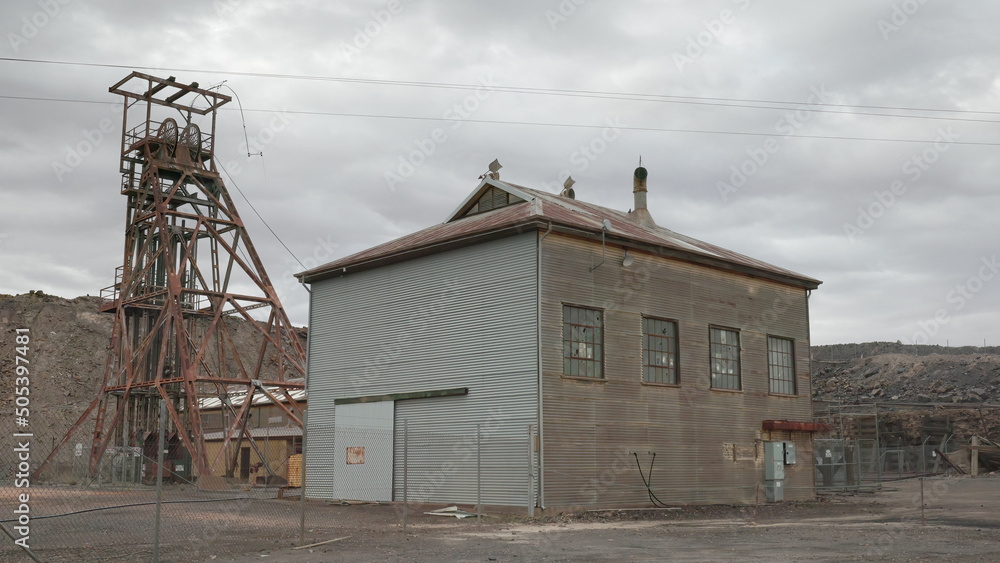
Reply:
x=774, y=460
x=789, y=453
x=774, y=490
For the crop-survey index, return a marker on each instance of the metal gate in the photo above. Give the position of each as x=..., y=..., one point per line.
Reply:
x=831, y=465
x=848, y=464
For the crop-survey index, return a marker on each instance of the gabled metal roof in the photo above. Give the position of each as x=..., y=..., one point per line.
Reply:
x=564, y=214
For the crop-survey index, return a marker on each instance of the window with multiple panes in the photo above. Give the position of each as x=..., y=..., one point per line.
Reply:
x=583, y=352
x=659, y=351
x=781, y=365
x=724, y=347
x=583, y=342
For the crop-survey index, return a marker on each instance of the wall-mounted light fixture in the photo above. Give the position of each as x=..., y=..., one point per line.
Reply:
x=628, y=259
x=605, y=227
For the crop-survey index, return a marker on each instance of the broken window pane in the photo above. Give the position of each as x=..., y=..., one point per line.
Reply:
x=582, y=346
x=724, y=348
x=660, y=351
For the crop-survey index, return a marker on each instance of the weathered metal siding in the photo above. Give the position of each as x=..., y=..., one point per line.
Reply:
x=462, y=318
x=707, y=442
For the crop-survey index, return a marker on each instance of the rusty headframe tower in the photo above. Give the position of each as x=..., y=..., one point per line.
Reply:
x=189, y=270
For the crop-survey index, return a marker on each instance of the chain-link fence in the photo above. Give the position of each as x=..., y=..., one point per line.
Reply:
x=403, y=464
x=73, y=513
x=69, y=513
x=851, y=464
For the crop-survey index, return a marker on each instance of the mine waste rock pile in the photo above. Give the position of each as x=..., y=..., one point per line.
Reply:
x=887, y=372
x=922, y=394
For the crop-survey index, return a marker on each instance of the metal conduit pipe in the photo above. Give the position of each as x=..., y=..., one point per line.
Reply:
x=538, y=334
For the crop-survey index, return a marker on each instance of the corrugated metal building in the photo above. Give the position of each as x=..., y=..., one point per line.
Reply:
x=615, y=339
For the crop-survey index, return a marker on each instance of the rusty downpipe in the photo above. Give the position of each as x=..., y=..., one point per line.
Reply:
x=538, y=333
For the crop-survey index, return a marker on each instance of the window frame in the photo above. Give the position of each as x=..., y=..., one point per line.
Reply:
x=791, y=356
x=711, y=359
x=598, y=362
x=676, y=351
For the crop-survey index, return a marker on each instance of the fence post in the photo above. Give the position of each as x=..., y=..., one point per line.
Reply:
x=302, y=489
x=479, y=473
x=159, y=480
x=124, y=450
x=406, y=468
x=531, y=472
x=878, y=450
x=923, y=520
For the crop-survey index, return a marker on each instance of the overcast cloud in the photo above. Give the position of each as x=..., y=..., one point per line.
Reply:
x=900, y=232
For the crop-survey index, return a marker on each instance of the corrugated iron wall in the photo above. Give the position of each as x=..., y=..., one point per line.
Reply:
x=462, y=318
x=707, y=442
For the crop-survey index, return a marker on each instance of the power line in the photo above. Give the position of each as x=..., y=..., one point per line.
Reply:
x=64, y=100
x=233, y=182
x=564, y=125
x=628, y=128
x=629, y=96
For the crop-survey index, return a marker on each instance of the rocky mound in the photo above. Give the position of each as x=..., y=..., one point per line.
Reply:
x=895, y=377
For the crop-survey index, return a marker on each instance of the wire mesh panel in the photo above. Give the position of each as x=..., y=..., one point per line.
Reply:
x=363, y=451
x=456, y=467
x=363, y=459
x=868, y=458
x=831, y=465
x=68, y=515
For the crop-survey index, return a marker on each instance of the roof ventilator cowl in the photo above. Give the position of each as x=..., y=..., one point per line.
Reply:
x=641, y=214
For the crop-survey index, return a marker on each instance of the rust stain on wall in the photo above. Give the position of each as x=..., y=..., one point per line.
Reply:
x=356, y=455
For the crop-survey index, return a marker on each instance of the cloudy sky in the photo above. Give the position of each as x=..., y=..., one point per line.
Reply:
x=852, y=141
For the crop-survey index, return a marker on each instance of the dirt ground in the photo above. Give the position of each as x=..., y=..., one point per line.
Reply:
x=962, y=524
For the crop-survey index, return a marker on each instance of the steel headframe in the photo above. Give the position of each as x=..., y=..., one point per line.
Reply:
x=189, y=279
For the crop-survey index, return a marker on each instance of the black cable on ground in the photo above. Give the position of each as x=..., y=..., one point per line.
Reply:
x=132, y=505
